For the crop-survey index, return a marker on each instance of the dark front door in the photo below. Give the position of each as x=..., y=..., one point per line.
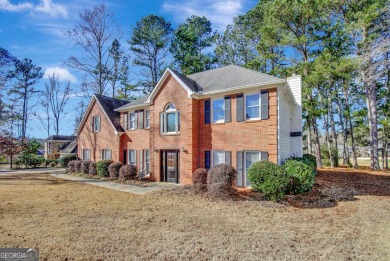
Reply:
x=124, y=157
x=170, y=166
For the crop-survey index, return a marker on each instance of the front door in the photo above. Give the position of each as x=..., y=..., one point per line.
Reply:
x=170, y=166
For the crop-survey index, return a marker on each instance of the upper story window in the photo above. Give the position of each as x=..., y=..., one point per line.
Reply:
x=170, y=120
x=218, y=107
x=217, y=110
x=147, y=119
x=252, y=106
x=95, y=124
x=132, y=121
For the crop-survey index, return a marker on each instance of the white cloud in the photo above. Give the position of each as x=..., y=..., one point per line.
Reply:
x=45, y=7
x=219, y=12
x=62, y=73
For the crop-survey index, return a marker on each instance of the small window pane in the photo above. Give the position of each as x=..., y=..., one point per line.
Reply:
x=252, y=106
x=132, y=120
x=218, y=157
x=218, y=110
x=147, y=121
x=171, y=122
x=250, y=158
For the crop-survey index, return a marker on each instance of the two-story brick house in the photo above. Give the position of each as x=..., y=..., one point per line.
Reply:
x=227, y=115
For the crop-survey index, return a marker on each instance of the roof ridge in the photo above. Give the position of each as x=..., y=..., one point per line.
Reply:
x=242, y=67
x=96, y=94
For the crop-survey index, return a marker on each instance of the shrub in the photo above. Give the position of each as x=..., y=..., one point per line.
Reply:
x=77, y=166
x=92, y=168
x=64, y=161
x=48, y=162
x=127, y=172
x=220, y=180
x=199, y=177
x=325, y=155
x=52, y=164
x=102, y=168
x=114, y=168
x=85, y=166
x=29, y=159
x=268, y=178
x=71, y=166
x=311, y=158
x=301, y=175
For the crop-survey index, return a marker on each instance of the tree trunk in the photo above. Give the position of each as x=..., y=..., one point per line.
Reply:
x=343, y=131
x=309, y=141
x=333, y=128
x=317, y=143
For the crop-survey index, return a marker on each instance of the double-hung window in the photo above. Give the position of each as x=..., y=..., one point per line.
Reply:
x=245, y=159
x=252, y=106
x=147, y=162
x=215, y=157
x=133, y=157
x=95, y=124
x=132, y=120
x=170, y=120
x=147, y=119
x=86, y=154
x=218, y=110
x=125, y=121
x=106, y=154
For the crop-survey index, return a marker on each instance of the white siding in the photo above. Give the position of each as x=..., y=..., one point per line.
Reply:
x=295, y=85
x=283, y=125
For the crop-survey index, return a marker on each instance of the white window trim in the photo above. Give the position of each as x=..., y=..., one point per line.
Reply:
x=102, y=154
x=212, y=110
x=144, y=152
x=165, y=120
x=89, y=154
x=132, y=112
x=95, y=125
x=147, y=126
x=249, y=94
x=135, y=154
x=212, y=157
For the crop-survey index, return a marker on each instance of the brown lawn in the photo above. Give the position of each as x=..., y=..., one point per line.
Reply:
x=73, y=221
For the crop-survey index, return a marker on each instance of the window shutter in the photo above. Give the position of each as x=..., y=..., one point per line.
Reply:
x=264, y=105
x=227, y=109
x=240, y=107
x=141, y=119
x=101, y=154
x=207, y=159
x=206, y=111
x=240, y=182
x=91, y=123
x=264, y=155
x=178, y=121
x=135, y=157
x=125, y=124
x=161, y=123
x=228, y=157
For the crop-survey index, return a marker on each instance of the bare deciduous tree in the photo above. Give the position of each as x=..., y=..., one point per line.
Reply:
x=94, y=34
x=57, y=94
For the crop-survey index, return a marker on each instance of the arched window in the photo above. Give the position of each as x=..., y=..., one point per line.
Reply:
x=170, y=120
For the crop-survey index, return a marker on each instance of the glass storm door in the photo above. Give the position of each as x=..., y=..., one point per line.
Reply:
x=170, y=166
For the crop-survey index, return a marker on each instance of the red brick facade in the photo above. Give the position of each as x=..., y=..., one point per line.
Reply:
x=195, y=136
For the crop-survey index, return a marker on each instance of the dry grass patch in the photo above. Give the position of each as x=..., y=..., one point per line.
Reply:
x=75, y=221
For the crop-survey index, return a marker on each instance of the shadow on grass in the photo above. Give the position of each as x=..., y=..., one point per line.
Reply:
x=342, y=184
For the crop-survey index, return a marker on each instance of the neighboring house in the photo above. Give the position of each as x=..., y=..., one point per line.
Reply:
x=69, y=148
x=227, y=115
x=54, y=143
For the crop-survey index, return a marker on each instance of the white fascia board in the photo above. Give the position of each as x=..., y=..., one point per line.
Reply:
x=89, y=107
x=162, y=80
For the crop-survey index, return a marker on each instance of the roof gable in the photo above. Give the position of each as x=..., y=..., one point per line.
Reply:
x=108, y=106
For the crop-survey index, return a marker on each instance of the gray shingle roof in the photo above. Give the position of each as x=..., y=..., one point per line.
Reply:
x=131, y=104
x=69, y=148
x=229, y=77
x=60, y=137
x=109, y=105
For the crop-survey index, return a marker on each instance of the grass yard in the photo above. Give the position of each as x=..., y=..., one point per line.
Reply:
x=75, y=221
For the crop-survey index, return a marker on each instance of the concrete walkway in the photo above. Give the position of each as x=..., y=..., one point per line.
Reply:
x=140, y=190
x=32, y=171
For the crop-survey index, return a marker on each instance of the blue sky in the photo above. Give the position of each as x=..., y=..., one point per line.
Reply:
x=34, y=29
